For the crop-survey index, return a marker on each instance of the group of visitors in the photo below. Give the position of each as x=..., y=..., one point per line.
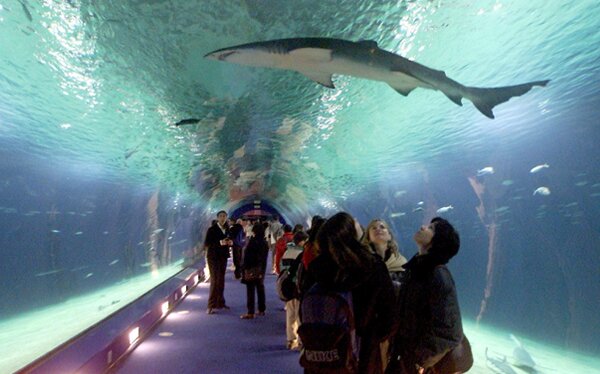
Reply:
x=353, y=288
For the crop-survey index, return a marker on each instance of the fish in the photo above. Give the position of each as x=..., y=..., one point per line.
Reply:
x=158, y=231
x=319, y=58
x=520, y=357
x=398, y=194
x=507, y=182
x=396, y=215
x=445, y=209
x=79, y=233
x=55, y=231
x=498, y=365
x=26, y=11
x=538, y=168
x=49, y=273
x=130, y=152
x=486, y=170
x=420, y=203
x=544, y=191
x=113, y=262
x=418, y=209
x=88, y=275
x=188, y=121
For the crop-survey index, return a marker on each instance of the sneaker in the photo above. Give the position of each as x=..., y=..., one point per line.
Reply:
x=247, y=316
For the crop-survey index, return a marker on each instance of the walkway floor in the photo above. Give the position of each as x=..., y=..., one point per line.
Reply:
x=191, y=341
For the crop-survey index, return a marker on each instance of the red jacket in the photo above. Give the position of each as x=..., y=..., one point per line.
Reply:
x=308, y=254
x=280, y=247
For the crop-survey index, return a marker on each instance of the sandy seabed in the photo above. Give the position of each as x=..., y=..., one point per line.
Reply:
x=548, y=359
x=28, y=336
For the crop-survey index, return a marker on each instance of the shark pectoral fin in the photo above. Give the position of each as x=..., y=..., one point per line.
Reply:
x=403, y=90
x=321, y=78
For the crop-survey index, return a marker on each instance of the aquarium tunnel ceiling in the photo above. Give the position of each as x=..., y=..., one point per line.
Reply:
x=121, y=90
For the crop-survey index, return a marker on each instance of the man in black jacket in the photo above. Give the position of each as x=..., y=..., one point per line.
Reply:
x=217, y=243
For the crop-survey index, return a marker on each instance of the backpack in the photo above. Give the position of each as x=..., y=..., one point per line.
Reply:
x=286, y=284
x=328, y=332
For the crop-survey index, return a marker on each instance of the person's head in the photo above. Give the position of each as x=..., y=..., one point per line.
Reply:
x=300, y=238
x=316, y=220
x=315, y=225
x=258, y=231
x=378, y=234
x=287, y=228
x=340, y=237
x=222, y=217
x=438, y=239
x=298, y=227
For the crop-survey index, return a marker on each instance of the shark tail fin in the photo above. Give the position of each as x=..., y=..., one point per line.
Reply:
x=485, y=99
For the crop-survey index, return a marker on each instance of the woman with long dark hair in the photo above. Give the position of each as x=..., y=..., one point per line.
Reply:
x=430, y=337
x=254, y=266
x=345, y=264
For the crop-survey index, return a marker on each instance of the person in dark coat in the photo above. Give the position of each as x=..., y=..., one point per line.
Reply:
x=429, y=321
x=255, y=255
x=345, y=264
x=238, y=235
x=217, y=243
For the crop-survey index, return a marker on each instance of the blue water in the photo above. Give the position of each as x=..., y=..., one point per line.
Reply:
x=92, y=168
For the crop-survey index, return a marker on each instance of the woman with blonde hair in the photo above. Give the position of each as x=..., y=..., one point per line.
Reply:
x=380, y=240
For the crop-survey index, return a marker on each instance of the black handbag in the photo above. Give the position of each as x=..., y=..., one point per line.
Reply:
x=252, y=274
x=458, y=360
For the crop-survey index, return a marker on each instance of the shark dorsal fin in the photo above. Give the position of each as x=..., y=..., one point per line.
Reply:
x=368, y=43
x=319, y=77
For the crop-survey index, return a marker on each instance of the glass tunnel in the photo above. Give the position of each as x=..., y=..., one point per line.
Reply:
x=120, y=140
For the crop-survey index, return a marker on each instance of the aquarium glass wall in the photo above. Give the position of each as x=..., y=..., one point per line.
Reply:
x=119, y=141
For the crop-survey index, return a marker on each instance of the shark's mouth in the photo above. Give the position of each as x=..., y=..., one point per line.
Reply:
x=223, y=56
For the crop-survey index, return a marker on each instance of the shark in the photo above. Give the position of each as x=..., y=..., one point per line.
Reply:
x=320, y=58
